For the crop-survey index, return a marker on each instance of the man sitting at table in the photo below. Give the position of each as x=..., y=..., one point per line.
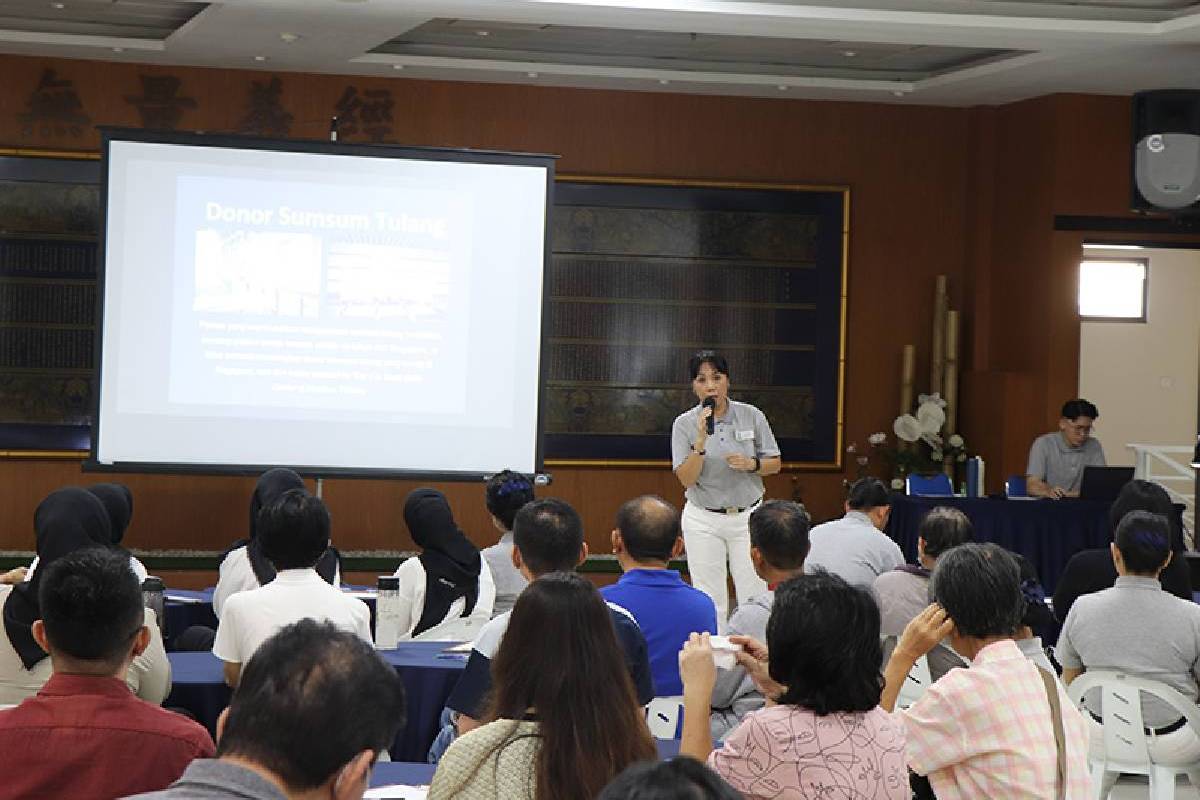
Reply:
x=294, y=532
x=547, y=537
x=1057, y=459
x=315, y=707
x=854, y=547
x=85, y=734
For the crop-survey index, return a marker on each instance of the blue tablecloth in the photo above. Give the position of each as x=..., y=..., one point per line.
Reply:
x=429, y=674
x=1047, y=532
x=387, y=773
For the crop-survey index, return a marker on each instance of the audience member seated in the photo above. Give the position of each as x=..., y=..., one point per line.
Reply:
x=646, y=538
x=680, y=778
x=85, y=734
x=446, y=593
x=244, y=566
x=118, y=502
x=1137, y=628
x=1093, y=570
x=315, y=708
x=563, y=720
x=903, y=593
x=991, y=730
x=506, y=493
x=1057, y=459
x=778, y=545
x=547, y=537
x=1036, y=617
x=293, y=533
x=67, y=520
x=855, y=546
x=825, y=727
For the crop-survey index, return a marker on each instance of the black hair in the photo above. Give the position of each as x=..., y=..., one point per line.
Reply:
x=1037, y=615
x=92, y=605
x=549, y=535
x=868, y=493
x=1074, y=409
x=779, y=529
x=680, y=778
x=1140, y=495
x=979, y=586
x=823, y=636
x=649, y=527
x=944, y=527
x=310, y=699
x=1144, y=541
x=293, y=531
x=710, y=357
x=505, y=494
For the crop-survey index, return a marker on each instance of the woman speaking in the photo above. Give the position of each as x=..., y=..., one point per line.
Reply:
x=720, y=449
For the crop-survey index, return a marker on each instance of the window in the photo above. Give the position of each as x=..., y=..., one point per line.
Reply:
x=1113, y=289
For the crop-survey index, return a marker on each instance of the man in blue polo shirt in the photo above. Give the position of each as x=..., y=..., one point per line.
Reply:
x=646, y=538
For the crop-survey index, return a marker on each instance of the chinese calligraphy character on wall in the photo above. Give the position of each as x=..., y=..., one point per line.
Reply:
x=160, y=103
x=369, y=112
x=265, y=114
x=53, y=109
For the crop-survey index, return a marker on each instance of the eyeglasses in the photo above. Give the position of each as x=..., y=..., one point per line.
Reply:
x=1086, y=430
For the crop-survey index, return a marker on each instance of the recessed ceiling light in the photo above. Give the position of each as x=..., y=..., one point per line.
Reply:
x=849, y=53
x=397, y=66
x=897, y=93
x=663, y=81
x=482, y=33
x=290, y=38
x=782, y=87
x=58, y=6
x=531, y=74
x=118, y=49
x=260, y=58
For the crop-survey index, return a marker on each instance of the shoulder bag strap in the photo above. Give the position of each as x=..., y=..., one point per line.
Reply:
x=1060, y=742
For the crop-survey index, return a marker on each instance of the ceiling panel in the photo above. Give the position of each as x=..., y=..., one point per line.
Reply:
x=133, y=19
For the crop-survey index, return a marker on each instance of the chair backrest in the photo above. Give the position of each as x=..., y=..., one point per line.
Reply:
x=1125, y=736
x=664, y=717
x=1014, y=486
x=929, y=484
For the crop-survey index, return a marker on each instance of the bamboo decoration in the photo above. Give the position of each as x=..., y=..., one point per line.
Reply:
x=950, y=376
x=936, y=361
x=907, y=373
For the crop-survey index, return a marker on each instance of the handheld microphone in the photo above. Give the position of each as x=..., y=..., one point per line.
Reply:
x=710, y=423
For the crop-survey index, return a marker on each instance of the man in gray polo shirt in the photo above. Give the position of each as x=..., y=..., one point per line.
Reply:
x=1057, y=459
x=1137, y=628
x=855, y=548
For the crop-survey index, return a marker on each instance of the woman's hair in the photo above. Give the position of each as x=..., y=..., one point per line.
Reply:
x=979, y=586
x=1139, y=495
x=505, y=494
x=710, y=357
x=823, y=636
x=681, y=778
x=944, y=527
x=1142, y=539
x=560, y=657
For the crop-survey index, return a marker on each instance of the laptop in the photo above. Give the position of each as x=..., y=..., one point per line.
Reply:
x=1104, y=483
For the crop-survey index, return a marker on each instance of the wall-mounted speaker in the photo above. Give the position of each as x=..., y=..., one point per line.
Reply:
x=1166, y=151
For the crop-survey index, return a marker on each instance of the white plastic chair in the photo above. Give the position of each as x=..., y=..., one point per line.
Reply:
x=1125, y=738
x=664, y=715
x=915, y=684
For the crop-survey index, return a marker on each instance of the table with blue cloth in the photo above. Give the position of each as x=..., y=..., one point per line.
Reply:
x=429, y=674
x=1047, y=532
x=390, y=773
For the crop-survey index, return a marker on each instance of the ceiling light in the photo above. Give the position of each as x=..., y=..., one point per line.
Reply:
x=58, y=6
x=482, y=33
x=663, y=81
x=781, y=87
x=1102, y=246
x=118, y=49
x=531, y=74
x=260, y=58
x=897, y=93
x=397, y=66
x=849, y=53
x=289, y=38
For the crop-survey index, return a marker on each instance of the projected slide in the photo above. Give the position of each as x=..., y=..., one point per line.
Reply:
x=346, y=311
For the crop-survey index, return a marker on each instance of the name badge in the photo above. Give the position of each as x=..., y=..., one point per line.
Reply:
x=744, y=436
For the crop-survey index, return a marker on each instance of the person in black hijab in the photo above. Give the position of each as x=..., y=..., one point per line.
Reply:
x=452, y=565
x=67, y=520
x=234, y=577
x=118, y=502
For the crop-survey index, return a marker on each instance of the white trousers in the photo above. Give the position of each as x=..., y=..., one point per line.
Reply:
x=712, y=539
x=1178, y=748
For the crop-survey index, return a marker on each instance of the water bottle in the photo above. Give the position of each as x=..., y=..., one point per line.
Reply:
x=152, y=598
x=387, y=613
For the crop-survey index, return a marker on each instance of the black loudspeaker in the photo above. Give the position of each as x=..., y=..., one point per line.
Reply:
x=1166, y=151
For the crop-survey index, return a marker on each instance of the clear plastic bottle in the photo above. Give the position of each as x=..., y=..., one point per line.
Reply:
x=387, y=613
x=152, y=597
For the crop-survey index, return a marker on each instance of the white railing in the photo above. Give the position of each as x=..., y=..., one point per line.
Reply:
x=1171, y=468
